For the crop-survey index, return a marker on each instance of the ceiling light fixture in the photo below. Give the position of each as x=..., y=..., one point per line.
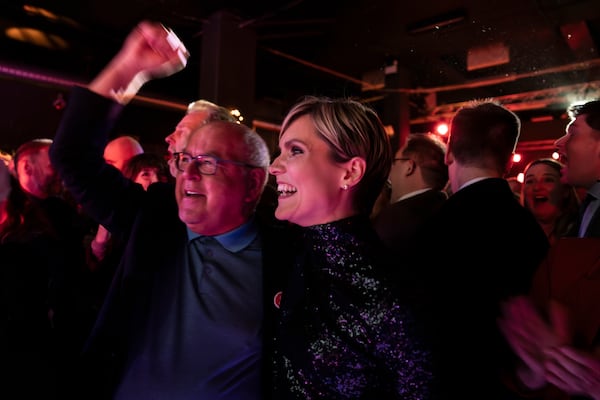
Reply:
x=36, y=37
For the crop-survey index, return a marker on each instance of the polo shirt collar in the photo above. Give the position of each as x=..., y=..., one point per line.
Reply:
x=234, y=240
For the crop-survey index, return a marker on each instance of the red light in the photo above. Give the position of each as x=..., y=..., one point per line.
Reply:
x=442, y=128
x=516, y=157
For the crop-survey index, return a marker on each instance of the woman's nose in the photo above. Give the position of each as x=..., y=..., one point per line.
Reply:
x=275, y=167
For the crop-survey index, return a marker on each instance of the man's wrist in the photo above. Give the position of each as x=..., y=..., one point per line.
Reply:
x=117, y=81
x=123, y=95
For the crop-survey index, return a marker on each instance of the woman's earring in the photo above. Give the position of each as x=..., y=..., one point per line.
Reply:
x=345, y=186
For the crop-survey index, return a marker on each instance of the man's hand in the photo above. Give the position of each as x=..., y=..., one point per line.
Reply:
x=529, y=335
x=150, y=51
x=153, y=50
x=576, y=372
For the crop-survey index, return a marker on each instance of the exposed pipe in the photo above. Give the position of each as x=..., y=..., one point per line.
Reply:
x=533, y=100
x=65, y=83
x=502, y=79
x=37, y=77
x=436, y=89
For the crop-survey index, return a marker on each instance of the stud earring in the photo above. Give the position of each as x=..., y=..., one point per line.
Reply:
x=345, y=187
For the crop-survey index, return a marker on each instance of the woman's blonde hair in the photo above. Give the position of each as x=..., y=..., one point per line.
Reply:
x=351, y=129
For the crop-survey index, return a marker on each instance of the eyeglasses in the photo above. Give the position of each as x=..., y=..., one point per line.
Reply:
x=207, y=165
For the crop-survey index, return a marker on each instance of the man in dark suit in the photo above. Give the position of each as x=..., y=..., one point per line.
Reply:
x=480, y=248
x=188, y=313
x=579, y=149
x=417, y=179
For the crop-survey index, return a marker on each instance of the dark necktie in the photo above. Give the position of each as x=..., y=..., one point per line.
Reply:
x=586, y=214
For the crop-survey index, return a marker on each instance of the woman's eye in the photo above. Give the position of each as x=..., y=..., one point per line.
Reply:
x=296, y=150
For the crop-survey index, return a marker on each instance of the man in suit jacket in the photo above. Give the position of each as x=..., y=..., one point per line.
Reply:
x=188, y=313
x=417, y=178
x=480, y=248
x=579, y=149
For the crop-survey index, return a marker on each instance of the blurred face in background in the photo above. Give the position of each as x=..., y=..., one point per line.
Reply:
x=189, y=123
x=179, y=137
x=579, y=149
x=543, y=192
x=121, y=149
x=147, y=176
x=401, y=166
x=37, y=176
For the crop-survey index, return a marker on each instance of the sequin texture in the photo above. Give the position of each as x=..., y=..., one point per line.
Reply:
x=342, y=332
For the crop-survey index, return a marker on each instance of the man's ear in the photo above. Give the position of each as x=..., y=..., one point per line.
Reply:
x=449, y=158
x=355, y=170
x=411, y=167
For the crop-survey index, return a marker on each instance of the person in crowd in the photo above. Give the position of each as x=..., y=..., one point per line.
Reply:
x=32, y=297
x=418, y=178
x=579, y=150
x=6, y=158
x=554, y=204
x=342, y=333
x=43, y=188
x=117, y=153
x=480, y=248
x=555, y=330
x=34, y=170
x=121, y=149
x=191, y=302
x=146, y=169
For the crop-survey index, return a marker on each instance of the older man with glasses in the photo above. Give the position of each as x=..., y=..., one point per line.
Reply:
x=191, y=303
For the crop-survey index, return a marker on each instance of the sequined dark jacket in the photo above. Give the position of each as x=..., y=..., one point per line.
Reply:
x=342, y=333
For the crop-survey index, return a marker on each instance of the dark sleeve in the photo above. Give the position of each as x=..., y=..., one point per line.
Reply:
x=77, y=154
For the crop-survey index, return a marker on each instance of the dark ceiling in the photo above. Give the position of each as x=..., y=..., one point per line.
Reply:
x=534, y=55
